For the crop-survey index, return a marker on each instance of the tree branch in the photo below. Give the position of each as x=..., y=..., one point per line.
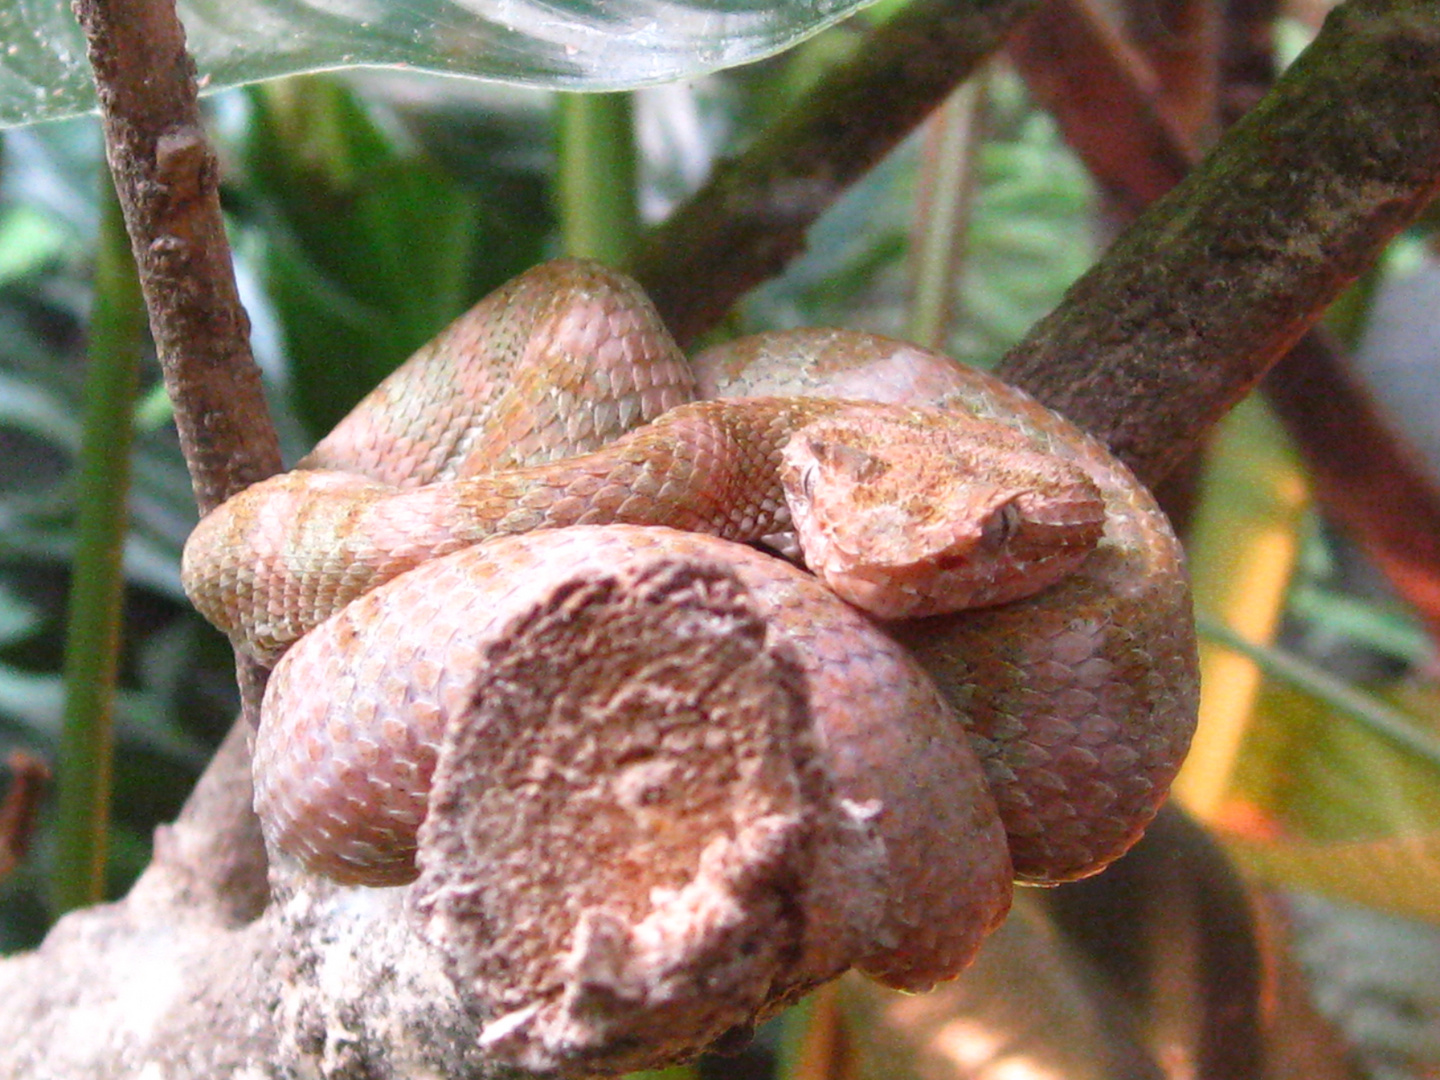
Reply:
x=1364, y=476
x=1194, y=302
x=166, y=176
x=743, y=226
x=639, y=743
x=167, y=182
x=1103, y=96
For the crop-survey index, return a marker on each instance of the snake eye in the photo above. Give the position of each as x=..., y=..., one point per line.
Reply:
x=807, y=480
x=1001, y=525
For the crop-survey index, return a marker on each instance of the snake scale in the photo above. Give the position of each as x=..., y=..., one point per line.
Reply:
x=560, y=400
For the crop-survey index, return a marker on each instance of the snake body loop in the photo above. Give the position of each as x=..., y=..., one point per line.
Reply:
x=1079, y=700
x=282, y=556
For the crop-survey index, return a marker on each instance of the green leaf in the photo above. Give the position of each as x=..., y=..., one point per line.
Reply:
x=372, y=250
x=28, y=240
x=18, y=617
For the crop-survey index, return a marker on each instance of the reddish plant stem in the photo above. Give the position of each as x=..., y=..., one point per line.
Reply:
x=1180, y=42
x=1363, y=475
x=1104, y=97
x=29, y=776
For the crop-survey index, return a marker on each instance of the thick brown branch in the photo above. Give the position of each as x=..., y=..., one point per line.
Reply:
x=165, y=174
x=1220, y=278
x=751, y=218
x=166, y=178
x=1364, y=476
x=643, y=743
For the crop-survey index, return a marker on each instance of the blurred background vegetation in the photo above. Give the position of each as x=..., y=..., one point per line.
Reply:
x=367, y=210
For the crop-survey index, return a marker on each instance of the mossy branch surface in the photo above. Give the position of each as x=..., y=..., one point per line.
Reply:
x=1221, y=277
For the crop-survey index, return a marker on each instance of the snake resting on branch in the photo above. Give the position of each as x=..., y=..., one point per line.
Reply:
x=1033, y=579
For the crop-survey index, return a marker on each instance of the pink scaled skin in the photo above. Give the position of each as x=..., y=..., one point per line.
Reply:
x=996, y=520
x=1076, y=685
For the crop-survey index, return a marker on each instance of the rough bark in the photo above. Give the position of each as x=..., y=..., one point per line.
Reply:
x=1364, y=474
x=640, y=839
x=167, y=181
x=1195, y=302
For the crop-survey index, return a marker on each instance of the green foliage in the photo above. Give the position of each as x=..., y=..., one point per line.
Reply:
x=166, y=715
x=1029, y=237
x=368, y=246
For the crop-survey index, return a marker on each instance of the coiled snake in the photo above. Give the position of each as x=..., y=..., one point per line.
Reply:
x=916, y=487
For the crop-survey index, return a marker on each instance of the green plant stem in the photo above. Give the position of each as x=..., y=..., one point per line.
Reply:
x=1375, y=716
x=97, y=578
x=596, y=198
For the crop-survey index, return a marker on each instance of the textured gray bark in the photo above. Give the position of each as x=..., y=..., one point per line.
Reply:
x=639, y=839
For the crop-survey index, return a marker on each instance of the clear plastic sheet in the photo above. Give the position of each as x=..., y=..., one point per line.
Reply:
x=562, y=44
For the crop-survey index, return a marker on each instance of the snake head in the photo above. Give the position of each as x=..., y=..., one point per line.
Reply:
x=912, y=512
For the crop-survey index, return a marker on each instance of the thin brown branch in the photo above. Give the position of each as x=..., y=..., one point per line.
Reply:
x=1221, y=277
x=1362, y=475
x=29, y=776
x=1170, y=932
x=167, y=182
x=1180, y=42
x=1104, y=97
x=166, y=176
x=1247, y=55
x=211, y=859
x=751, y=218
